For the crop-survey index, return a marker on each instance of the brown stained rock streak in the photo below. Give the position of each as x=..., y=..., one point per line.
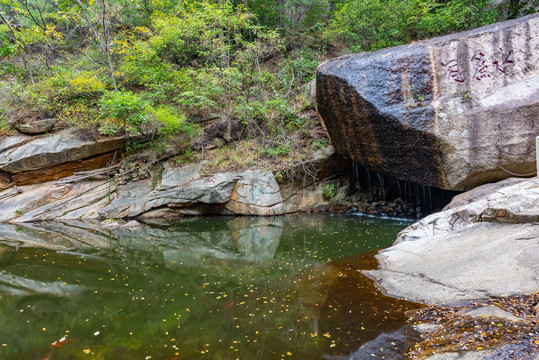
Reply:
x=64, y=170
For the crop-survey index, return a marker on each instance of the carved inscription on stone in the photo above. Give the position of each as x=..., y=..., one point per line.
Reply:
x=481, y=69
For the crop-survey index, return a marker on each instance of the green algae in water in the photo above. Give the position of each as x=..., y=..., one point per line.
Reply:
x=194, y=288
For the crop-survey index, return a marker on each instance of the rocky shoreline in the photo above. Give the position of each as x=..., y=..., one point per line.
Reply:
x=484, y=243
x=475, y=264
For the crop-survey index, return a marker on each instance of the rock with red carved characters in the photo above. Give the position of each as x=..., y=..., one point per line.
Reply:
x=450, y=112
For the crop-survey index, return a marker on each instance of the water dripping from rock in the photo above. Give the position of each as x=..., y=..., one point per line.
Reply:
x=419, y=200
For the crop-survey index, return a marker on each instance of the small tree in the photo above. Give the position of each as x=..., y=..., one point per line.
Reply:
x=98, y=18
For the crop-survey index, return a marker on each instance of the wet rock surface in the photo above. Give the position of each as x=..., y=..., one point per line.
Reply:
x=390, y=346
x=449, y=112
x=485, y=243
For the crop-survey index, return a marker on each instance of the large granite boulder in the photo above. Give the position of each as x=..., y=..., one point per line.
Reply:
x=485, y=243
x=450, y=112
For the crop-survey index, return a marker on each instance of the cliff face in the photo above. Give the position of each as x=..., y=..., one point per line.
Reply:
x=450, y=112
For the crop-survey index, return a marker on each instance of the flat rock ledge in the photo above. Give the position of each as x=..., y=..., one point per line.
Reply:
x=485, y=243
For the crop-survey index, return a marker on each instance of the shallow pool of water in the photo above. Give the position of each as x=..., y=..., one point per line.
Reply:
x=195, y=288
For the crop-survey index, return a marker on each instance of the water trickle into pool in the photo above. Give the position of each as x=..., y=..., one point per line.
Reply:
x=422, y=200
x=198, y=288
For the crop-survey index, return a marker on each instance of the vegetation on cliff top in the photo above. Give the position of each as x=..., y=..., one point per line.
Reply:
x=161, y=68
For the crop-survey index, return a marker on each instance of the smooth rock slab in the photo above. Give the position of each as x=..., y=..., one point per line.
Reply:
x=179, y=175
x=55, y=149
x=446, y=112
x=10, y=142
x=455, y=255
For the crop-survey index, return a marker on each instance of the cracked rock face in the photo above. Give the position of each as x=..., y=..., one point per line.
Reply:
x=241, y=193
x=445, y=112
x=466, y=251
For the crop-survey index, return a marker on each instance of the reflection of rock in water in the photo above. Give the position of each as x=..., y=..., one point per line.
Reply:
x=6, y=254
x=311, y=287
x=20, y=286
x=183, y=242
x=256, y=238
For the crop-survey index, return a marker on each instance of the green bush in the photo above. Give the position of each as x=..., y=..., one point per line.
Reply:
x=366, y=25
x=168, y=120
x=299, y=68
x=123, y=110
x=328, y=191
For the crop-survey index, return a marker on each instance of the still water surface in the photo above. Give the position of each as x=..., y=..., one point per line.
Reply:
x=194, y=288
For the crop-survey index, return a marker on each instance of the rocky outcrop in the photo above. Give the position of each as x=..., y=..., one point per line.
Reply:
x=256, y=194
x=34, y=125
x=26, y=160
x=55, y=149
x=175, y=191
x=485, y=243
x=449, y=112
x=54, y=202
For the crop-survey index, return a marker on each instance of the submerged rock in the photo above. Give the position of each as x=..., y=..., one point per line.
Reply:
x=448, y=112
x=389, y=346
x=466, y=251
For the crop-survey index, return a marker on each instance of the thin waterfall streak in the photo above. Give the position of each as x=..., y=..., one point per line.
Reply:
x=422, y=200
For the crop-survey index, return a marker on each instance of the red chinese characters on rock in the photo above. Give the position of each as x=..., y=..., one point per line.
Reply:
x=452, y=70
x=481, y=67
x=506, y=61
